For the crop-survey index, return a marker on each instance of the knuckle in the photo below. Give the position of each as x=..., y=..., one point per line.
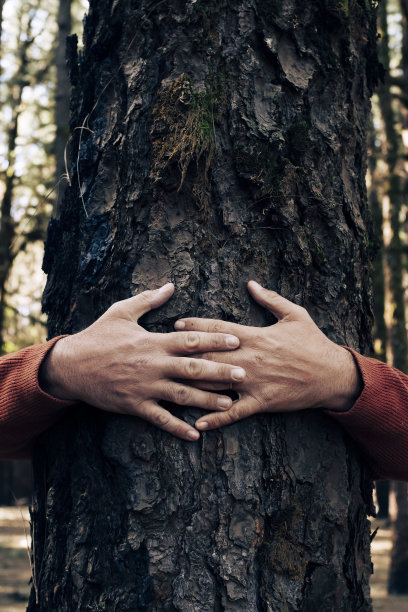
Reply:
x=161, y=419
x=231, y=416
x=192, y=340
x=211, y=400
x=140, y=363
x=300, y=311
x=259, y=359
x=181, y=395
x=217, y=340
x=193, y=368
x=145, y=297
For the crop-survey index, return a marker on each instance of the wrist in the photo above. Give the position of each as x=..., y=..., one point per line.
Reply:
x=346, y=383
x=53, y=373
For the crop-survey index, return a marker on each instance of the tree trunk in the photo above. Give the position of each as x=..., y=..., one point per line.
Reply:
x=18, y=83
x=62, y=99
x=227, y=143
x=398, y=578
x=375, y=196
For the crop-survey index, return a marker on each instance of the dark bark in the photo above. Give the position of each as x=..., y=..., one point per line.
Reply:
x=228, y=142
x=62, y=94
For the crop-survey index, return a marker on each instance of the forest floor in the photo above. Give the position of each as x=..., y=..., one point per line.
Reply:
x=15, y=570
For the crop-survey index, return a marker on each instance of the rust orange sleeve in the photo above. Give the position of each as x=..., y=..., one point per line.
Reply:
x=378, y=421
x=26, y=410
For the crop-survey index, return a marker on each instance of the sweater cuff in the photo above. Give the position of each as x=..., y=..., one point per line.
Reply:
x=378, y=421
x=26, y=410
x=32, y=389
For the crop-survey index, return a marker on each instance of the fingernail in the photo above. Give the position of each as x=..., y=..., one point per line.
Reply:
x=256, y=284
x=238, y=374
x=202, y=425
x=193, y=435
x=165, y=287
x=232, y=341
x=224, y=402
x=179, y=325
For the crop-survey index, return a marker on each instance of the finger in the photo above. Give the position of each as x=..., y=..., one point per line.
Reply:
x=201, y=369
x=240, y=410
x=184, y=395
x=163, y=419
x=208, y=386
x=278, y=305
x=198, y=342
x=232, y=358
x=210, y=325
x=134, y=307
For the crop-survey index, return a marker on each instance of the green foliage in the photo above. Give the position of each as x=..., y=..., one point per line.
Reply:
x=184, y=130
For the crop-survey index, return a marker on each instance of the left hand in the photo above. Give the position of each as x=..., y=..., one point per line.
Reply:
x=289, y=366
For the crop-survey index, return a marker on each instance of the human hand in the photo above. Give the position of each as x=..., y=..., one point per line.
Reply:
x=120, y=367
x=289, y=366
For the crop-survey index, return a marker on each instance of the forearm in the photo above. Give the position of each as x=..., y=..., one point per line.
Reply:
x=26, y=410
x=378, y=420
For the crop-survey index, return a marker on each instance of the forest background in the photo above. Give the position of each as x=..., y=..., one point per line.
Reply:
x=34, y=115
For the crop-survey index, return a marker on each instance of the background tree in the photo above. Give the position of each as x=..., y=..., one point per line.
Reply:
x=30, y=44
x=390, y=106
x=224, y=141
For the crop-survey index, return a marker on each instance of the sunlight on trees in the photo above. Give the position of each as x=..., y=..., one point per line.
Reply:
x=27, y=165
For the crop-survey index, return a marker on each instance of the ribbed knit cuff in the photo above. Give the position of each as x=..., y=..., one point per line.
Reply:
x=378, y=420
x=25, y=409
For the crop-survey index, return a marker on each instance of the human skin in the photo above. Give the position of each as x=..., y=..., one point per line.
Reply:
x=118, y=366
x=289, y=366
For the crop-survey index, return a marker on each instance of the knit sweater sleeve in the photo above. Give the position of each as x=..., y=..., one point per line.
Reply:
x=378, y=421
x=26, y=410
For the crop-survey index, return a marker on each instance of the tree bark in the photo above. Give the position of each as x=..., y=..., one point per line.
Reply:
x=227, y=143
x=62, y=95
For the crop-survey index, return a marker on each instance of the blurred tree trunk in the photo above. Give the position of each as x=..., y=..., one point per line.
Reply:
x=395, y=250
x=227, y=143
x=62, y=94
x=7, y=223
x=398, y=578
x=375, y=195
x=15, y=482
x=1, y=25
x=395, y=260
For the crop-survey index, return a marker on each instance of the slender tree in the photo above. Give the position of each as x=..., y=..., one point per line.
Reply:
x=213, y=142
x=398, y=578
x=380, y=333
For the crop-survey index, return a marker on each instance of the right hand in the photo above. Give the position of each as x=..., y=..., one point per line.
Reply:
x=118, y=366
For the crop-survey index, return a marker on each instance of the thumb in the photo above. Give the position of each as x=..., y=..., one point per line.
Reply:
x=134, y=307
x=278, y=305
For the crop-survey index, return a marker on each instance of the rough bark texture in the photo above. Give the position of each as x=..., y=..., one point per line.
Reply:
x=228, y=142
x=62, y=92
